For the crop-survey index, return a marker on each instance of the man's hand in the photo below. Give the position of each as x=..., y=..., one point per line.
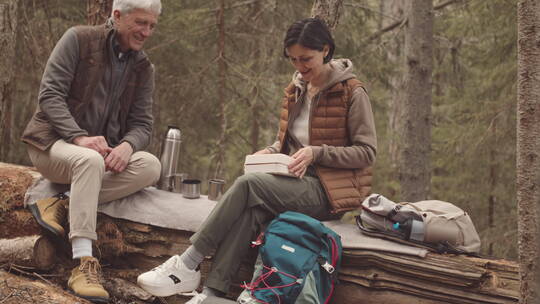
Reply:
x=97, y=143
x=118, y=158
x=302, y=159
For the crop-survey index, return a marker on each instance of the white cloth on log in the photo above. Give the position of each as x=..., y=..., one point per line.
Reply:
x=171, y=210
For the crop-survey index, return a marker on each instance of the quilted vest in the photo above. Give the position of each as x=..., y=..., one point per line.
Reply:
x=93, y=56
x=345, y=188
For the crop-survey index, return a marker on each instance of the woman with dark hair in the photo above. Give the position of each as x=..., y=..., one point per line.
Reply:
x=327, y=126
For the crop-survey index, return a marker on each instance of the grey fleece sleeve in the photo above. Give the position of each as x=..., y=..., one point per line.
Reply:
x=362, y=135
x=56, y=83
x=140, y=119
x=276, y=146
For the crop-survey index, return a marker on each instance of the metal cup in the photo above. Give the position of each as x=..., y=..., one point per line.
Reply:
x=191, y=188
x=215, y=189
x=176, y=182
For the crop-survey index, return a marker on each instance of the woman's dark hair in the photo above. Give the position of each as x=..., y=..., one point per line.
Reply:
x=311, y=33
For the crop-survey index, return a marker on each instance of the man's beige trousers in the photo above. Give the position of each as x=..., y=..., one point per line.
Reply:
x=84, y=169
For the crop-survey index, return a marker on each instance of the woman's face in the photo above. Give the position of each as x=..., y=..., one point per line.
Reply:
x=308, y=62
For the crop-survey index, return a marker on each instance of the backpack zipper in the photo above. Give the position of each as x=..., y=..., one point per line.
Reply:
x=334, y=258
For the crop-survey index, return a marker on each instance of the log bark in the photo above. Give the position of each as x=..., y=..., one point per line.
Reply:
x=128, y=248
x=434, y=279
x=14, y=180
x=20, y=290
x=126, y=290
x=34, y=251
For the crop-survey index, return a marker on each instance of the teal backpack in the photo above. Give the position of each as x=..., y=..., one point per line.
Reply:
x=298, y=262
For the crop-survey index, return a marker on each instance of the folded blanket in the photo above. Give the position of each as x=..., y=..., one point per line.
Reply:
x=171, y=210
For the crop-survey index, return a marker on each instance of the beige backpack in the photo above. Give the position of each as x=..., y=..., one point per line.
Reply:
x=436, y=225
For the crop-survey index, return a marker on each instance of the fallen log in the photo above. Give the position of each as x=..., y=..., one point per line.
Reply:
x=126, y=290
x=366, y=276
x=15, y=221
x=34, y=251
x=435, y=279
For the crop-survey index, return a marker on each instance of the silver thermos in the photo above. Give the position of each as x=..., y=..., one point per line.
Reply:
x=170, y=152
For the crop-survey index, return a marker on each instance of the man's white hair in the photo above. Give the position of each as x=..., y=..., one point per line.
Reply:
x=126, y=6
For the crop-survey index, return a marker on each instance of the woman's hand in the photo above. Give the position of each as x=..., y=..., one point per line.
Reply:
x=302, y=159
x=263, y=151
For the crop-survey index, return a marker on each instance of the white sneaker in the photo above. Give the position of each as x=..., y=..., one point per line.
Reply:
x=169, y=278
x=197, y=299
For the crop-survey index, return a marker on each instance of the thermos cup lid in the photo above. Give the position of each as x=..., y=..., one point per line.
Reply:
x=173, y=133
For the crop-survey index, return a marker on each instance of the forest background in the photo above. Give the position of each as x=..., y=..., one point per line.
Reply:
x=221, y=83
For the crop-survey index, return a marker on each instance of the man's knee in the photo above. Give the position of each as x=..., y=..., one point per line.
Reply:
x=90, y=160
x=148, y=166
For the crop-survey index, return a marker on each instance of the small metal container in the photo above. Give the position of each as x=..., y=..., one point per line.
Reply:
x=191, y=188
x=215, y=189
x=176, y=182
x=170, y=153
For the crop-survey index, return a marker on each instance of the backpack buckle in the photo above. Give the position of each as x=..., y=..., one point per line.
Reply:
x=259, y=241
x=328, y=267
x=393, y=212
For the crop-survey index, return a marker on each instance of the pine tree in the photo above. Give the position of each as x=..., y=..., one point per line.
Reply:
x=528, y=149
x=8, y=31
x=415, y=118
x=98, y=11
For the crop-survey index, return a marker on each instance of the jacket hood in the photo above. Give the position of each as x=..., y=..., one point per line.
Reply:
x=341, y=70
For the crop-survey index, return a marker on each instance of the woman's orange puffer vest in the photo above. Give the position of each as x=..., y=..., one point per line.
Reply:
x=345, y=188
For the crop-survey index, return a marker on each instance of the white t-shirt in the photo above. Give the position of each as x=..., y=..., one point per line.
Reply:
x=300, y=127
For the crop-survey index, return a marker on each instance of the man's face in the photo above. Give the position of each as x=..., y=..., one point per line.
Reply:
x=134, y=28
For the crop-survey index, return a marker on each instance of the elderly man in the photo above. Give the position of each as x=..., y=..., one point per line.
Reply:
x=94, y=118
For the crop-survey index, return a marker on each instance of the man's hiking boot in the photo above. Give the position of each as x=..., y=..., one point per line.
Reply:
x=85, y=281
x=51, y=213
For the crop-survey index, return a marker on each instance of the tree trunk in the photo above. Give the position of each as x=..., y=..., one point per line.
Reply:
x=222, y=72
x=415, y=128
x=492, y=199
x=34, y=251
x=528, y=149
x=257, y=51
x=98, y=11
x=327, y=10
x=394, y=8
x=8, y=31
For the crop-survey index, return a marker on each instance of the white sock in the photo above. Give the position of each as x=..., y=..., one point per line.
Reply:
x=81, y=247
x=192, y=257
